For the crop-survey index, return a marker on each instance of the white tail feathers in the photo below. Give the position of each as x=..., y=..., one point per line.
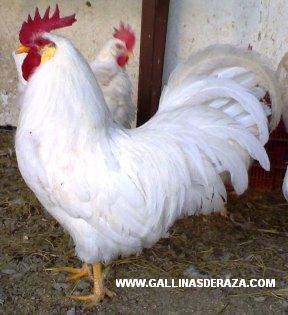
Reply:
x=221, y=90
x=245, y=67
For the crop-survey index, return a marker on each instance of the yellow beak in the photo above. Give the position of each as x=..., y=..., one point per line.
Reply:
x=22, y=49
x=129, y=53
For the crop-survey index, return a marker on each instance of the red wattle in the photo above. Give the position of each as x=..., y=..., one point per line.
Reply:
x=122, y=60
x=30, y=63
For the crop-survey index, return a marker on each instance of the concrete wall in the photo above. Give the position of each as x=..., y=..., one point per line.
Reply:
x=195, y=24
x=93, y=27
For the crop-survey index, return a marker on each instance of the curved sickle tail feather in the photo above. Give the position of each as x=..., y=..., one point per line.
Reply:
x=245, y=67
x=227, y=85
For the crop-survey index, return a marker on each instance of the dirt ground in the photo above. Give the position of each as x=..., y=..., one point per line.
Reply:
x=251, y=243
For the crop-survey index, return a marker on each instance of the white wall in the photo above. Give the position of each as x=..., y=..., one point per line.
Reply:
x=195, y=24
x=93, y=27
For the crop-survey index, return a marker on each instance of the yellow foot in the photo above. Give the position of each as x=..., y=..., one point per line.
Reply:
x=93, y=299
x=76, y=273
x=99, y=291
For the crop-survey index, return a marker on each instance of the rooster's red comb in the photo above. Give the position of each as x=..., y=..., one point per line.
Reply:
x=43, y=24
x=125, y=34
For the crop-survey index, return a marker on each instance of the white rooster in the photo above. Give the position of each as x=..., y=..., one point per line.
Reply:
x=110, y=71
x=119, y=190
x=109, y=68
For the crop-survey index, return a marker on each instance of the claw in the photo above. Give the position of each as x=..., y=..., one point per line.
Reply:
x=92, y=299
x=76, y=273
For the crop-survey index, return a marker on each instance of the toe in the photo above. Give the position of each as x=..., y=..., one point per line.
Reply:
x=83, y=298
x=109, y=293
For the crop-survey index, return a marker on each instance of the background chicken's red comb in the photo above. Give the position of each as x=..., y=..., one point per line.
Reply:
x=125, y=34
x=45, y=24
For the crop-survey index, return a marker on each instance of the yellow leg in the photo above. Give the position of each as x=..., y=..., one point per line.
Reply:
x=99, y=291
x=76, y=273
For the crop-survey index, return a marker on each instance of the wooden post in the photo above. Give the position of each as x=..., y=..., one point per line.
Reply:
x=152, y=50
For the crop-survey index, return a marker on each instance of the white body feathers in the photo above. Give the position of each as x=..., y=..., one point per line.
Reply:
x=117, y=190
